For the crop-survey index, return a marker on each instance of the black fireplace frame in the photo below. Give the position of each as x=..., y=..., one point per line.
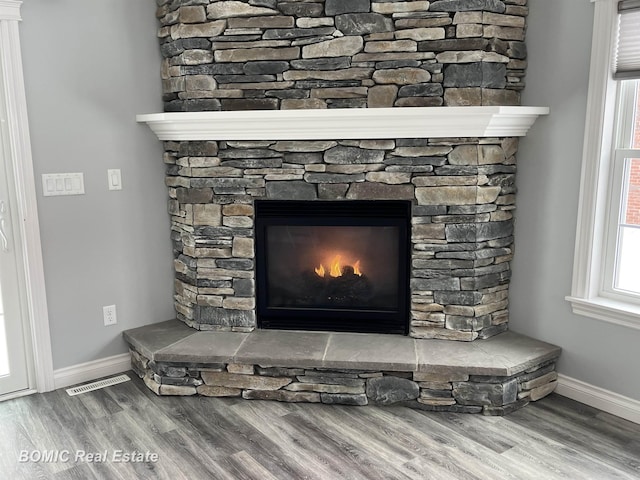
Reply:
x=375, y=213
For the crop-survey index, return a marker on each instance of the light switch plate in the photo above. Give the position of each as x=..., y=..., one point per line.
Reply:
x=54, y=184
x=114, y=179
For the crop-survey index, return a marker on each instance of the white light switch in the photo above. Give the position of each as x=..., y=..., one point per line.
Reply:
x=54, y=184
x=115, y=179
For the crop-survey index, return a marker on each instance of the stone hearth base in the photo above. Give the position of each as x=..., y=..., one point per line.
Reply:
x=493, y=376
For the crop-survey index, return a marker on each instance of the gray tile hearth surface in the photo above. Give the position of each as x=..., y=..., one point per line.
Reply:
x=284, y=348
x=493, y=376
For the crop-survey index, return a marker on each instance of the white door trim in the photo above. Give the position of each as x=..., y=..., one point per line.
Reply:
x=15, y=116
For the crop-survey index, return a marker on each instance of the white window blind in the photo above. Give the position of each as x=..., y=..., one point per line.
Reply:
x=627, y=58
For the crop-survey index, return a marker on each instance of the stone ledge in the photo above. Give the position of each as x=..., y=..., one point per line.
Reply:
x=505, y=354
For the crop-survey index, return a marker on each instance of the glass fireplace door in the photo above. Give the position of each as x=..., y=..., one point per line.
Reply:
x=339, y=266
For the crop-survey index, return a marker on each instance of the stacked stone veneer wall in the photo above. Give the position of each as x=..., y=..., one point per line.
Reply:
x=291, y=54
x=457, y=391
x=285, y=54
x=462, y=191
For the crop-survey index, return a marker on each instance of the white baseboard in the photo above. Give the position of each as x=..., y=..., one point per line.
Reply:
x=86, y=372
x=597, y=397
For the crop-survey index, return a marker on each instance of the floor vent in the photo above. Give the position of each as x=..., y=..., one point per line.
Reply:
x=89, y=387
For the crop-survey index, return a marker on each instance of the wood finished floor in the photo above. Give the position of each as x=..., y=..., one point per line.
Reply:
x=207, y=438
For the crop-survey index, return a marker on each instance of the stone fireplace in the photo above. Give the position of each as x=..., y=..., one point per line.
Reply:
x=323, y=106
x=461, y=191
x=331, y=56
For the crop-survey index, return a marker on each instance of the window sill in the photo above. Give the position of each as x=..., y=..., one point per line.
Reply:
x=608, y=310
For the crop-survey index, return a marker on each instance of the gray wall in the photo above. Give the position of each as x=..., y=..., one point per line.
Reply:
x=89, y=67
x=549, y=162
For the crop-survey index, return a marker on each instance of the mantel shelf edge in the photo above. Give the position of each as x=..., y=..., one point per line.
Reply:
x=347, y=124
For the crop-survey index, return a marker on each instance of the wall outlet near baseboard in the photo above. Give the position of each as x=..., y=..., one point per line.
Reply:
x=109, y=315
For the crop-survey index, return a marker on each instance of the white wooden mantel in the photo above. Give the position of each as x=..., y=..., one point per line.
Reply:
x=345, y=124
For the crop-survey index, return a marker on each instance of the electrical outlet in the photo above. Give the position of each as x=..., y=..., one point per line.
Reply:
x=109, y=315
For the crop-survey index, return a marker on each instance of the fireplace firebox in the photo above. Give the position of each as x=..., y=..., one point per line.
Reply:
x=333, y=265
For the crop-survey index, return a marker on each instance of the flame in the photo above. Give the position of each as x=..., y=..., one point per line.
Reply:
x=335, y=269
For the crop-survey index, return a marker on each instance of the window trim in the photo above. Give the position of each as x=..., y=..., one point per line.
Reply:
x=597, y=158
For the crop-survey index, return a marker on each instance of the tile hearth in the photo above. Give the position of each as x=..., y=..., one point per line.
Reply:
x=493, y=376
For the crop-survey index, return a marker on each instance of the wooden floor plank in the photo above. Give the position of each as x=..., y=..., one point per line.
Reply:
x=486, y=433
x=455, y=448
x=604, y=445
x=78, y=472
x=237, y=433
x=303, y=456
x=331, y=443
x=252, y=467
x=234, y=439
x=198, y=455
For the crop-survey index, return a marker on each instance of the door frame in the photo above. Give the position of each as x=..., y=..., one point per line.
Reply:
x=14, y=115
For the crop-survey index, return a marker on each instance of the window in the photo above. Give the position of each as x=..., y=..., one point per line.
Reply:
x=606, y=276
x=621, y=276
